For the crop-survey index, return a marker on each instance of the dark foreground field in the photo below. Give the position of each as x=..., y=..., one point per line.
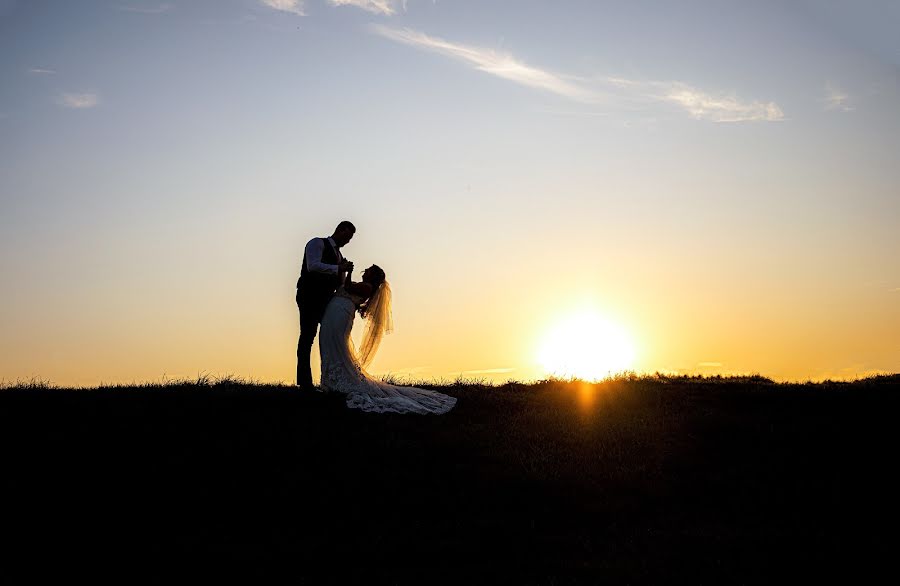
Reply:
x=648, y=480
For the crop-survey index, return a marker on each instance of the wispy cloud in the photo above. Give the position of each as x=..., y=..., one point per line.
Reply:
x=41, y=71
x=699, y=104
x=489, y=371
x=385, y=7
x=292, y=6
x=79, y=101
x=850, y=373
x=158, y=9
x=718, y=108
x=836, y=99
x=488, y=61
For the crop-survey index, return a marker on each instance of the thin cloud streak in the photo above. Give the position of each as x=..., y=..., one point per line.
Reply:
x=699, y=104
x=79, y=101
x=40, y=71
x=720, y=108
x=489, y=371
x=290, y=6
x=488, y=61
x=836, y=99
x=385, y=7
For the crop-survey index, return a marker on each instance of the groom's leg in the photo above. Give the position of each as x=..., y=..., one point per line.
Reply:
x=309, y=323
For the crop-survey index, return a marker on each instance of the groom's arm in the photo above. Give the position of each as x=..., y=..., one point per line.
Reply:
x=314, y=262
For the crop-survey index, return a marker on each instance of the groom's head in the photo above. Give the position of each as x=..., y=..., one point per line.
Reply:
x=343, y=233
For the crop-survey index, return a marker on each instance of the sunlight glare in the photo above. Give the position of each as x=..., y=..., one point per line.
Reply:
x=586, y=346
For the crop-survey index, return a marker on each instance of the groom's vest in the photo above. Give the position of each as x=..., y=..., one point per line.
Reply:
x=317, y=288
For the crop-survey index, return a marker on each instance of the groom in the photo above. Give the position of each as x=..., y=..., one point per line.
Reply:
x=323, y=270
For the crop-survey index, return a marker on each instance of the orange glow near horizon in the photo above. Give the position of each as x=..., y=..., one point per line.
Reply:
x=588, y=346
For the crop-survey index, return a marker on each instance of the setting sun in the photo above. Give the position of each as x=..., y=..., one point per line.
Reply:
x=587, y=346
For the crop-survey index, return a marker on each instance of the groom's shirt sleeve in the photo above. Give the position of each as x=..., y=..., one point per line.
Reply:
x=314, y=258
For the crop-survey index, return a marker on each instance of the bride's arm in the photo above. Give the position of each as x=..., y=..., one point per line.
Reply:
x=348, y=282
x=364, y=290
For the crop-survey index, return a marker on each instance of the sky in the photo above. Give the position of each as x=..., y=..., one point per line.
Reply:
x=716, y=182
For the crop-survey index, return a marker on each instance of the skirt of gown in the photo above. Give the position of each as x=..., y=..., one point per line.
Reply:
x=341, y=371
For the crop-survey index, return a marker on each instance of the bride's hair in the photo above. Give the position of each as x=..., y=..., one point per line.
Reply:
x=378, y=275
x=375, y=278
x=378, y=316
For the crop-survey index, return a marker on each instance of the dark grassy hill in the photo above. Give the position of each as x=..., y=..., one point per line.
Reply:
x=707, y=481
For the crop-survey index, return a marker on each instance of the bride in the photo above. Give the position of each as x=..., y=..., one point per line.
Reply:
x=343, y=369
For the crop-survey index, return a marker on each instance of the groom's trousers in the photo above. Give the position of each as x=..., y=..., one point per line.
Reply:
x=310, y=318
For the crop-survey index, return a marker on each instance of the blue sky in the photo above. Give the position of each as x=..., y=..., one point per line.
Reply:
x=704, y=172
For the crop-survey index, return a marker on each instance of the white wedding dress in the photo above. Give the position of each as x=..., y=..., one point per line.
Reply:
x=343, y=373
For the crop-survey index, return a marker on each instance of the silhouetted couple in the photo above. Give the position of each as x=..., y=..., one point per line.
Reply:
x=328, y=295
